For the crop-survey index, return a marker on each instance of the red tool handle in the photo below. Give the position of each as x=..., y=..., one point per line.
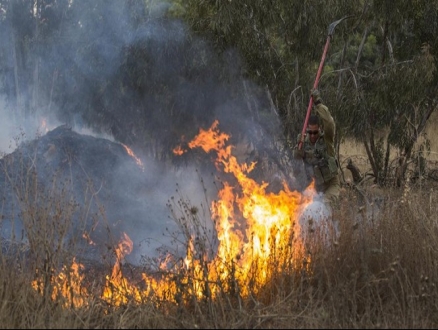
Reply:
x=315, y=85
x=331, y=30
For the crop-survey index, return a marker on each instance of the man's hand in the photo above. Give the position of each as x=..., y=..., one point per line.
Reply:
x=316, y=96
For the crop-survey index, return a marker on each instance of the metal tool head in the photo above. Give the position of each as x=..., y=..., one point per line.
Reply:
x=332, y=26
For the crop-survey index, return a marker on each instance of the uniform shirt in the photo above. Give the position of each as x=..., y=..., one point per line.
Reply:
x=320, y=158
x=328, y=124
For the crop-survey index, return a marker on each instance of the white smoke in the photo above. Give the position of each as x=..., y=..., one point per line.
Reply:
x=317, y=223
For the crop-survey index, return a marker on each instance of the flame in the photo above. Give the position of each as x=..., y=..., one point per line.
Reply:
x=67, y=285
x=131, y=153
x=211, y=139
x=258, y=239
x=178, y=151
x=118, y=290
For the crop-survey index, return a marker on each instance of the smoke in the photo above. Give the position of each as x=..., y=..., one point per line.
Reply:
x=317, y=223
x=184, y=87
x=7, y=130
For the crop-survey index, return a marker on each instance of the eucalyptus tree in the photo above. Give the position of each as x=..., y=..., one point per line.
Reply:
x=385, y=90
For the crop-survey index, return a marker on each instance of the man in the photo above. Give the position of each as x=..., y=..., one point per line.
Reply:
x=318, y=152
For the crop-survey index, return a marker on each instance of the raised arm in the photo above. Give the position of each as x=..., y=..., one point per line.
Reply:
x=327, y=121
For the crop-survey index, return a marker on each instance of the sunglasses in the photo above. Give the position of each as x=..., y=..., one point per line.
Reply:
x=312, y=132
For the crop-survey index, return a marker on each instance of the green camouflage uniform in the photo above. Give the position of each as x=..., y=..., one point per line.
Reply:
x=320, y=159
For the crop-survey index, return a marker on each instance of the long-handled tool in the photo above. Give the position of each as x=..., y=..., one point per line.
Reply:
x=331, y=30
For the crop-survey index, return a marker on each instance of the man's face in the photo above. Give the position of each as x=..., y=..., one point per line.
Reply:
x=313, y=132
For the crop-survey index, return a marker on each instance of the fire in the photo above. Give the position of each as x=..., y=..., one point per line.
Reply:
x=258, y=239
x=212, y=139
x=131, y=153
x=270, y=218
x=118, y=290
x=253, y=256
x=67, y=285
x=178, y=151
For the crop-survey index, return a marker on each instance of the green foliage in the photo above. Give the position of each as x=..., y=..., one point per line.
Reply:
x=376, y=74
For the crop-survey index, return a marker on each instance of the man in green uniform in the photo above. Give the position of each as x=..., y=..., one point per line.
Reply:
x=318, y=152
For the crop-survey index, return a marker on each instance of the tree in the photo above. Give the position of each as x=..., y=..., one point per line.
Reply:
x=379, y=74
x=390, y=79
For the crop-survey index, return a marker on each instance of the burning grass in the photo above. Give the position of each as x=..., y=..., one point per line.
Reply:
x=244, y=264
x=381, y=273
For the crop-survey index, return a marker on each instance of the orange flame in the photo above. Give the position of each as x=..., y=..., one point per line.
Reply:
x=118, y=290
x=131, y=153
x=178, y=151
x=67, y=285
x=270, y=218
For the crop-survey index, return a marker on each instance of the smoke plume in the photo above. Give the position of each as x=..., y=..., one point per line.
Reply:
x=144, y=81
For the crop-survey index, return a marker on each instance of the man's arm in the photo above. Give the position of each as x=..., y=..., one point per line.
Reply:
x=327, y=121
x=325, y=116
x=329, y=128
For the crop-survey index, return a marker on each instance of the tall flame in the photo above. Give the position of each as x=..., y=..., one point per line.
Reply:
x=271, y=219
x=118, y=290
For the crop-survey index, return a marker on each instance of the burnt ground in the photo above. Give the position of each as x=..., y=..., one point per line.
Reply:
x=81, y=192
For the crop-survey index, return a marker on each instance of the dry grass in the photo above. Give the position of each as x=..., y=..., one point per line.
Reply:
x=381, y=273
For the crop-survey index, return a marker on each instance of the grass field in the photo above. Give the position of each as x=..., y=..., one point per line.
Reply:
x=380, y=273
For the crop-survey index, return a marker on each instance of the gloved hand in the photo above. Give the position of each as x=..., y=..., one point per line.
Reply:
x=316, y=96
